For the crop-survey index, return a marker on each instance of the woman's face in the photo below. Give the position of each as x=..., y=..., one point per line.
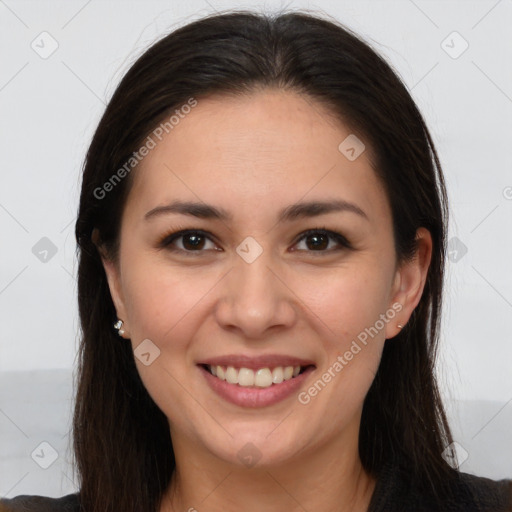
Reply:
x=250, y=290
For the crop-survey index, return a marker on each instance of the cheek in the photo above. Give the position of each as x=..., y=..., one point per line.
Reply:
x=350, y=343
x=159, y=298
x=163, y=306
x=349, y=303
x=347, y=300
x=338, y=302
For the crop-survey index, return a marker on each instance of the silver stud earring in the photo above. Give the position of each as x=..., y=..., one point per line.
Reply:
x=400, y=326
x=118, y=326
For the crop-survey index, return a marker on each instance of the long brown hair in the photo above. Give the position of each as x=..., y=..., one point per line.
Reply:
x=123, y=450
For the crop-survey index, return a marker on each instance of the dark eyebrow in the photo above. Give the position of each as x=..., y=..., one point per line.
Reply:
x=292, y=212
x=315, y=208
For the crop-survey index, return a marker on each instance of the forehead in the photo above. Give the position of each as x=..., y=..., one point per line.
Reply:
x=261, y=150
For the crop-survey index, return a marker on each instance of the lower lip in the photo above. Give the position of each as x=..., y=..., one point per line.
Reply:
x=253, y=396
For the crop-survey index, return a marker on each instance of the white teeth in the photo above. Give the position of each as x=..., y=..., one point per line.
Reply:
x=231, y=375
x=245, y=377
x=277, y=375
x=288, y=373
x=263, y=377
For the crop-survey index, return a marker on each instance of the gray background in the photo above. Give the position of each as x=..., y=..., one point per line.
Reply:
x=51, y=103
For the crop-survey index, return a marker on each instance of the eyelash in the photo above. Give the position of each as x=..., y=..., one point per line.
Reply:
x=166, y=241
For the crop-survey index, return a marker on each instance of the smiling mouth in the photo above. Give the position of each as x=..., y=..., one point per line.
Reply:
x=260, y=378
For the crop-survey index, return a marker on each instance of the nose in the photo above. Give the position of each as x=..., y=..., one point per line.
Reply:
x=256, y=299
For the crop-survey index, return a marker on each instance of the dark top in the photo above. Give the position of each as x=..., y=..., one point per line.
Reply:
x=473, y=494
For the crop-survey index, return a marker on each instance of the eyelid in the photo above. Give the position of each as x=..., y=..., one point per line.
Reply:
x=177, y=233
x=166, y=241
x=333, y=235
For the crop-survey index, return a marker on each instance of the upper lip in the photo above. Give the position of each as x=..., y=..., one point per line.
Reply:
x=256, y=362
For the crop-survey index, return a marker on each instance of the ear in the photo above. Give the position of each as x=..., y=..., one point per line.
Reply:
x=409, y=282
x=112, y=272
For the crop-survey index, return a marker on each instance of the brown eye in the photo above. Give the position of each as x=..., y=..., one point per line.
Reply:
x=318, y=240
x=190, y=241
x=193, y=241
x=187, y=241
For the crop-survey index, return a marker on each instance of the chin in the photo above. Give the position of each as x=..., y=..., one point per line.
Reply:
x=263, y=446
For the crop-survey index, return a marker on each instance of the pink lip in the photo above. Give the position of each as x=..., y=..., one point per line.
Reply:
x=256, y=362
x=253, y=396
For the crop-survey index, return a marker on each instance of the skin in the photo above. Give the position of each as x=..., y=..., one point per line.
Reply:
x=253, y=156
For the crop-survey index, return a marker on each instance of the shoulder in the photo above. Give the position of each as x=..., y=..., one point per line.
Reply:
x=483, y=494
x=469, y=493
x=69, y=503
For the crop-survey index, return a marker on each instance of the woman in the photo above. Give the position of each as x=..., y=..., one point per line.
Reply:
x=261, y=239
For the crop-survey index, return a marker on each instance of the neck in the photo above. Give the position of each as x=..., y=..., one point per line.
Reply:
x=314, y=479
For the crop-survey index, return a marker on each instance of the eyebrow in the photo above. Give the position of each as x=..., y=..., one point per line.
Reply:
x=288, y=214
